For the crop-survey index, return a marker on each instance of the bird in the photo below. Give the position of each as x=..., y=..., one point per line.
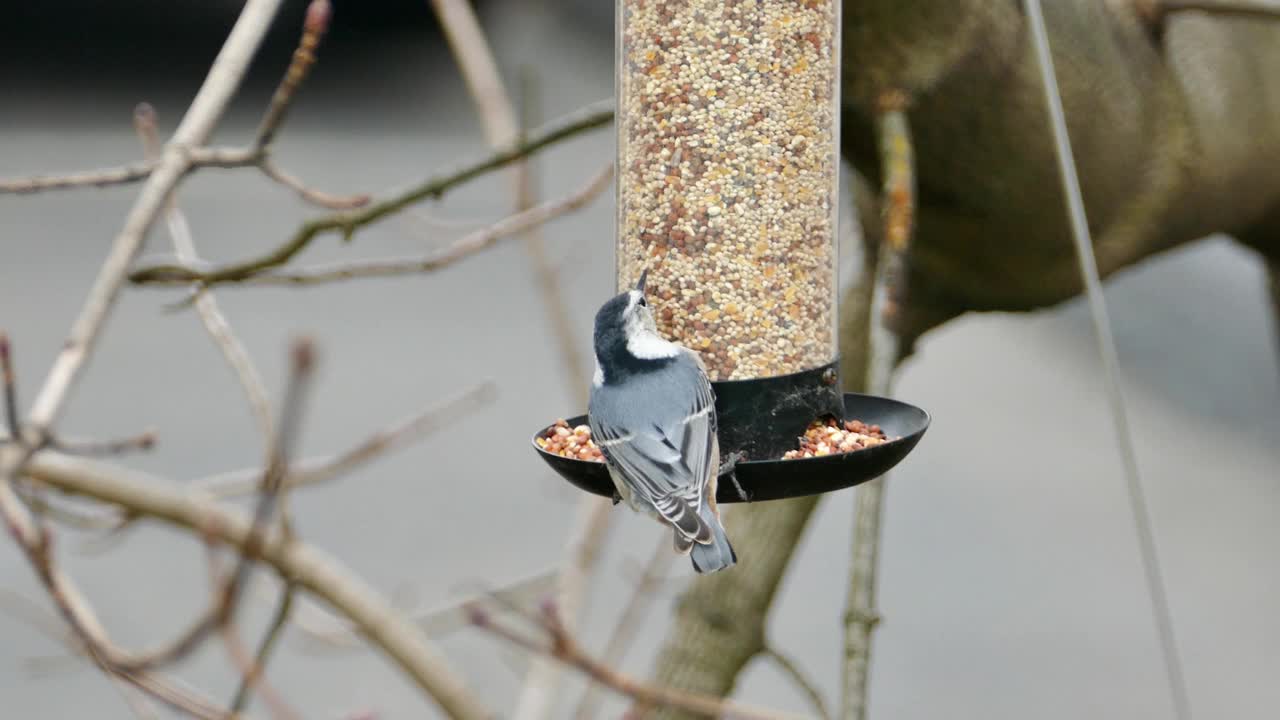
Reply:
x=652, y=414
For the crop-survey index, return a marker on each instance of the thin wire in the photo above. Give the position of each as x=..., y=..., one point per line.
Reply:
x=1111, y=366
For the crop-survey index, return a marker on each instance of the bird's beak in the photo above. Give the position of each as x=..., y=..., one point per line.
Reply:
x=643, y=276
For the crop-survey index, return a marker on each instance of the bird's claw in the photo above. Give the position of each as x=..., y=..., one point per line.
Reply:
x=729, y=463
x=727, y=470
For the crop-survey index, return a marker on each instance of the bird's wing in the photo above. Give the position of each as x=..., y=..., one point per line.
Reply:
x=698, y=428
x=666, y=463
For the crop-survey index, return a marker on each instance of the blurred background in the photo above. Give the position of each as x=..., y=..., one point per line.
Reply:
x=1010, y=580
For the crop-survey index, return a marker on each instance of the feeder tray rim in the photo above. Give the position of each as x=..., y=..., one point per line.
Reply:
x=776, y=478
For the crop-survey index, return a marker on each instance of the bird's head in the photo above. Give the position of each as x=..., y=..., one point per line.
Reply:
x=626, y=336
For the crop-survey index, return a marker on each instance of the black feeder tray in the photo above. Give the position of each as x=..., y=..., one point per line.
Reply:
x=763, y=419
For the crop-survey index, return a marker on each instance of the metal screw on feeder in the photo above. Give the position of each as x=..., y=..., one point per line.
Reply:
x=728, y=186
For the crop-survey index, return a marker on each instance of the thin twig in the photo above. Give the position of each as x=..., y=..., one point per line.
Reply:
x=282, y=449
x=792, y=670
x=376, y=445
x=87, y=178
x=11, y=417
x=145, y=440
x=888, y=296
x=24, y=609
x=236, y=356
x=581, y=557
x=135, y=699
x=461, y=249
x=235, y=647
x=314, y=471
x=315, y=572
x=629, y=622
x=71, y=518
x=314, y=26
x=177, y=696
x=215, y=323
x=310, y=194
x=564, y=648
x=253, y=675
x=244, y=663
x=200, y=157
x=347, y=223
x=329, y=632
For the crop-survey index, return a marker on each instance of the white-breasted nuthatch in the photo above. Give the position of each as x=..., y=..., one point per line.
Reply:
x=653, y=415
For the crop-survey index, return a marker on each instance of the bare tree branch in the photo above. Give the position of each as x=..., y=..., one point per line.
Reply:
x=314, y=571
x=792, y=670
x=200, y=157
x=381, y=442
x=88, y=178
x=135, y=699
x=250, y=672
x=98, y=448
x=314, y=26
x=461, y=249
x=564, y=648
x=9, y=390
x=278, y=622
x=331, y=633
x=258, y=155
x=347, y=223
x=581, y=556
x=629, y=622
x=35, y=540
x=206, y=109
x=253, y=675
x=237, y=358
x=215, y=323
x=888, y=296
x=87, y=634
x=310, y=194
x=226, y=598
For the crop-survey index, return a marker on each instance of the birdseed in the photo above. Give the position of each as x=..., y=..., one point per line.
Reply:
x=562, y=440
x=727, y=142
x=828, y=437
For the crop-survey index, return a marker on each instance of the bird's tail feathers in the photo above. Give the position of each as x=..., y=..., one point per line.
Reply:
x=716, y=554
x=683, y=544
x=684, y=517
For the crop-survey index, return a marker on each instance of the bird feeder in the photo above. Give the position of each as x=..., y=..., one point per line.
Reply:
x=728, y=186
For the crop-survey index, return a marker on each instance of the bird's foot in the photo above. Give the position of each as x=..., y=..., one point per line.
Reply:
x=729, y=463
x=727, y=469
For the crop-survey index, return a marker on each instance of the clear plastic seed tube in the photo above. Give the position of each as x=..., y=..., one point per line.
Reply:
x=728, y=176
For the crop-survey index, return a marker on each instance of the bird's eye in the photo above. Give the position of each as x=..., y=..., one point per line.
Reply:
x=643, y=303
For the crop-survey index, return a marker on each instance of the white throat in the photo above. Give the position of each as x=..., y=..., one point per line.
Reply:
x=643, y=341
x=647, y=345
